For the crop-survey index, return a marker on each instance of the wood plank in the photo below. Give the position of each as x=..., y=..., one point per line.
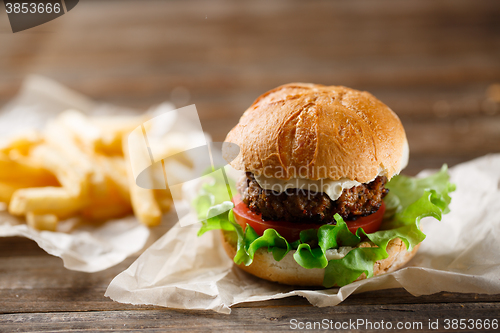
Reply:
x=91, y=298
x=12, y=247
x=39, y=283
x=48, y=272
x=412, y=45
x=245, y=319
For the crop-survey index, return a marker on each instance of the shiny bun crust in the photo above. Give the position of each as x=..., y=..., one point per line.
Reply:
x=287, y=271
x=314, y=131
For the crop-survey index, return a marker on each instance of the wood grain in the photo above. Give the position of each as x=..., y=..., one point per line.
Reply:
x=39, y=294
x=432, y=62
x=246, y=319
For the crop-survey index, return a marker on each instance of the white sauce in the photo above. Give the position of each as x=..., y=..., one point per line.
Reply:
x=332, y=188
x=339, y=253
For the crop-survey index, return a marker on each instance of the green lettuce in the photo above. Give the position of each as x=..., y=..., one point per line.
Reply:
x=409, y=200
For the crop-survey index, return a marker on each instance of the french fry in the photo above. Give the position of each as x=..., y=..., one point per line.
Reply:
x=88, y=134
x=176, y=171
x=144, y=204
x=25, y=172
x=115, y=169
x=110, y=206
x=65, y=141
x=42, y=222
x=99, y=134
x=80, y=166
x=60, y=137
x=114, y=129
x=106, y=211
x=145, y=207
x=22, y=142
x=170, y=145
x=71, y=176
x=7, y=190
x=111, y=203
x=164, y=199
x=45, y=200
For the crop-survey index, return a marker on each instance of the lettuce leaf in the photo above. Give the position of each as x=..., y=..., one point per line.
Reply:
x=219, y=219
x=408, y=190
x=214, y=191
x=409, y=200
x=417, y=198
x=360, y=260
x=327, y=237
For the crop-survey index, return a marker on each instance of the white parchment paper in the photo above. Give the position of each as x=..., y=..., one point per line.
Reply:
x=460, y=254
x=84, y=248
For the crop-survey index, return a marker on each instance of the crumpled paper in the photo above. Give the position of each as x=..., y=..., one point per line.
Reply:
x=84, y=248
x=460, y=254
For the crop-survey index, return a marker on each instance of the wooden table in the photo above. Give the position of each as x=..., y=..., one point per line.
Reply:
x=435, y=63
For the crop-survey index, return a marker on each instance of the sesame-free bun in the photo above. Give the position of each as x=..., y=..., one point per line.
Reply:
x=302, y=130
x=288, y=271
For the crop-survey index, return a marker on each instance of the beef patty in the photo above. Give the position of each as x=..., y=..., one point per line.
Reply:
x=302, y=206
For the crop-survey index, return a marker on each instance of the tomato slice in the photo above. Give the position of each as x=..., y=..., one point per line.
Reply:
x=369, y=223
x=291, y=231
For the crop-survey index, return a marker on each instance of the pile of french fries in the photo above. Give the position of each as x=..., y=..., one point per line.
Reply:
x=76, y=167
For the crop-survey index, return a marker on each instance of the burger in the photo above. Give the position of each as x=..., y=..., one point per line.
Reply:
x=319, y=202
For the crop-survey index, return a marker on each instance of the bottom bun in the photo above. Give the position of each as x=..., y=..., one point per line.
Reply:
x=288, y=271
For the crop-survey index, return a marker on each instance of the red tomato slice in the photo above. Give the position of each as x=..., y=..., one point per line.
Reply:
x=370, y=223
x=291, y=231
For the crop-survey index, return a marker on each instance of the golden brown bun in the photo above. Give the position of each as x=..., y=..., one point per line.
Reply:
x=288, y=271
x=314, y=131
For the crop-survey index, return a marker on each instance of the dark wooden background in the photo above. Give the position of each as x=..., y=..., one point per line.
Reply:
x=435, y=63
